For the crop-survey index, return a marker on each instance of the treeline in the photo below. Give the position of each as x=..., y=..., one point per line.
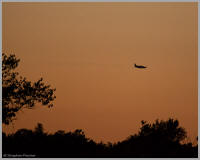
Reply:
x=163, y=139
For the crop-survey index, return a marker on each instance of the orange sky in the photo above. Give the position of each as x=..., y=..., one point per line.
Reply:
x=87, y=51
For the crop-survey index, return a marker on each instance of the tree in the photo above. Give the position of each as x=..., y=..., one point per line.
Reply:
x=169, y=129
x=147, y=143
x=159, y=139
x=39, y=129
x=18, y=92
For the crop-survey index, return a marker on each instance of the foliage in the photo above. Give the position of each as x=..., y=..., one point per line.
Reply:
x=160, y=139
x=163, y=129
x=18, y=92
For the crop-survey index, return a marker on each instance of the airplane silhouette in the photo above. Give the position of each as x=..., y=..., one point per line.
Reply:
x=137, y=66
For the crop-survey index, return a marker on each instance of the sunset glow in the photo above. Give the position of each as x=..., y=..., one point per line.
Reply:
x=87, y=51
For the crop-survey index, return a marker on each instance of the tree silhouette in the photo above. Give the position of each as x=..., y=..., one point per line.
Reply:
x=165, y=129
x=18, y=92
x=160, y=139
x=39, y=128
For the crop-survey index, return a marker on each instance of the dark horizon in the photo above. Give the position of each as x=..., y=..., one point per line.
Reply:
x=162, y=139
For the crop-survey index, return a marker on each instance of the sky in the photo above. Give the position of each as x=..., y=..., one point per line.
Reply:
x=87, y=52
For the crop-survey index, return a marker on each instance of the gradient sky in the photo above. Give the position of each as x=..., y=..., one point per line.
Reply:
x=87, y=51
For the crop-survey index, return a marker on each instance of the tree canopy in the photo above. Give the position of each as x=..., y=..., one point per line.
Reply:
x=18, y=92
x=161, y=139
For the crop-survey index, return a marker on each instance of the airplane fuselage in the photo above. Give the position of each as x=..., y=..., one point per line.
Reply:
x=137, y=66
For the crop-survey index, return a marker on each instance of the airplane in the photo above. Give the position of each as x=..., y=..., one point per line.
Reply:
x=141, y=67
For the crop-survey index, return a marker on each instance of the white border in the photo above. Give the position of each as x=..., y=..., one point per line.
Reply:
x=100, y=0
x=95, y=1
